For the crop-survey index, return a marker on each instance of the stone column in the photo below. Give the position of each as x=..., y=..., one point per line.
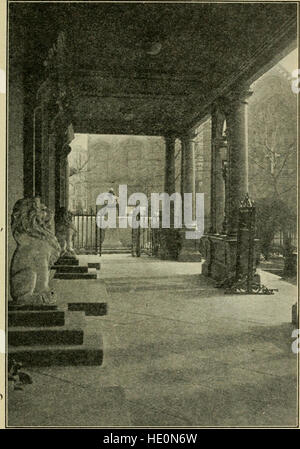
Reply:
x=237, y=126
x=169, y=240
x=189, y=173
x=170, y=164
x=66, y=168
x=64, y=177
x=51, y=174
x=48, y=173
x=37, y=150
x=49, y=140
x=217, y=198
x=188, y=251
x=16, y=151
x=182, y=168
x=220, y=191
x=226, y=196
x=64, y=137
x=67, y=174
x=45, y=156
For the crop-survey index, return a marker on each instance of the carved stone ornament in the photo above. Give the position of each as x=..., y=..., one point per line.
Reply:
x=65, y=231
x=37, y=250
x=246, y=202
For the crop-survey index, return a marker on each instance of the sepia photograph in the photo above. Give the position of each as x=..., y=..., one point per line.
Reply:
x=150, y=220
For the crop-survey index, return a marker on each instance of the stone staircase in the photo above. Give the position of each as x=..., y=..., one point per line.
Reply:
x=68, y=268
x=48, y=336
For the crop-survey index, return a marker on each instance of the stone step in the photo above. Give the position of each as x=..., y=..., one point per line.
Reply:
x=20, y=336
x=31, y=318
x=66, y=261
x=90, y=308
x=25, y=307
x=71, y=269
x=75, y=276
x=96, y=265
x=116, y=251
x=55, y=355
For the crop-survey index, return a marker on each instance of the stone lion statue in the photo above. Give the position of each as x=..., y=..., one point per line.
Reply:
x=65, y=231
x=37, y=250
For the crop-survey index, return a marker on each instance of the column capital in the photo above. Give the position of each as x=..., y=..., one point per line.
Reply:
x=218, y=107
x=189, y=136
x=240, y=94
x=236, y=97
x=170, y=136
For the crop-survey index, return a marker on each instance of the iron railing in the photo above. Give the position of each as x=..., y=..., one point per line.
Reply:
x=88, y=237
x=146, y=240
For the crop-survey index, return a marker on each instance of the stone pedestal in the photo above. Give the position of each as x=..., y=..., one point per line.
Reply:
x=219, y=252
x=189, y=249
x=170, y=242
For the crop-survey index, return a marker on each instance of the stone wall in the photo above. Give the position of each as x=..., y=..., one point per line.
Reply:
x=15, y=158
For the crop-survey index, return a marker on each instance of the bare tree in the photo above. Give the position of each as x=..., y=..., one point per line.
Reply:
x=273, y=150
x=273, y=165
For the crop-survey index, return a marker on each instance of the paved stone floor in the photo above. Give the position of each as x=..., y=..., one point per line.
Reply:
x=177, y=352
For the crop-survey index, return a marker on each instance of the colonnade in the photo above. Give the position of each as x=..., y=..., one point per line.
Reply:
x=229, y=179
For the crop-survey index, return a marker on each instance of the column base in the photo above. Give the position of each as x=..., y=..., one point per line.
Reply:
x=169, y=244
x=189, y=251
x=219, y=252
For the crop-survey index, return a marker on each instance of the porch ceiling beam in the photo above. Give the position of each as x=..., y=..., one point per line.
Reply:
x=266, y=56
x=107, y=127
x=138, y=96
x=106, y=87
x=173, y=77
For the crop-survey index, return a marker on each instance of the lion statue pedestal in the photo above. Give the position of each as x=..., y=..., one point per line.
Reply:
x=37, y=250
x=65, y=231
